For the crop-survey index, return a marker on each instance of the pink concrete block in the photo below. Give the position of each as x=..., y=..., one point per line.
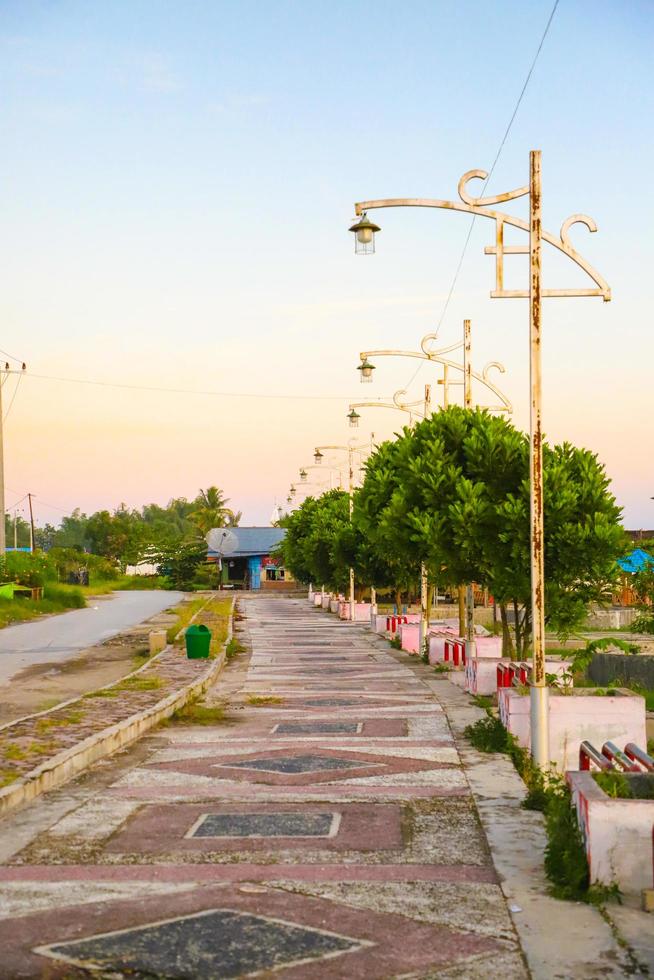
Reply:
x=326, y=598
x=317, y=598
x=617, y=834
x=576, y=717
x=481, y=674
x=410, y=637
x=488, y=646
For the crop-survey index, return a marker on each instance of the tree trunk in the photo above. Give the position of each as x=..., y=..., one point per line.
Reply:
x=398, y=601
x=516, y=627
x=507, y=642
x=462, y=610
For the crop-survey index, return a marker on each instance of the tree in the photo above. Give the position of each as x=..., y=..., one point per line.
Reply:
x=210, y=510
x=309, y=548
x=458, y=499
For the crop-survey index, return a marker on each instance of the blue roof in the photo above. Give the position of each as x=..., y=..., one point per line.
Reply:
x=636, y=561
x=255, y=541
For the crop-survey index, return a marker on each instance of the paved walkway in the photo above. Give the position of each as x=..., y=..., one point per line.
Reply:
x=327, y=833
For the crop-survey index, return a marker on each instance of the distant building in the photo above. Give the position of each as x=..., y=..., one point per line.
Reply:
x=251, y=564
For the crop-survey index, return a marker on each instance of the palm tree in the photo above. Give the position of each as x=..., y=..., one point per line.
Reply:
x=211, y=511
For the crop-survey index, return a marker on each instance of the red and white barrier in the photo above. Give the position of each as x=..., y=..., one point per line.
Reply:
x=618, y=834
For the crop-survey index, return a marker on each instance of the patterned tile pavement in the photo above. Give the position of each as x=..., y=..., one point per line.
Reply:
x=327, y=833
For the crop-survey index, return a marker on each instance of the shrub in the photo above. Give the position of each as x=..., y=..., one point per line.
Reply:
x=65, y=596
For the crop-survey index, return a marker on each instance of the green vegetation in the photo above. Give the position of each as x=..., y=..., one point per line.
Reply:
x=566, y=865
x=453, y=493
x=194, y=713
x=140, y=682
x=233, y=648
x=258, y=700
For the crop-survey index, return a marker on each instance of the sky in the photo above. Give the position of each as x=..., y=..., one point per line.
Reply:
x=176, y=187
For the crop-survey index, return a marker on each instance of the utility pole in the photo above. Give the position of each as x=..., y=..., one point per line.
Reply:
x=29, y=497
x=4, y=374
x=467, y=401
x=423, y=631
x=3, y=536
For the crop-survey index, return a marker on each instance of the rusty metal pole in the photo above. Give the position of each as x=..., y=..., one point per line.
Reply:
x=467, y=401
x=539, y=692
x=467, y=364
x=351, y=501
x=424, y=582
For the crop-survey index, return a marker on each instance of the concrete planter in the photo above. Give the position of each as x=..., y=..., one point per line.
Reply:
x=317, y=598
x=576, y=717
x=409, y=634
x=333, y=605
x=378, y=623
x=488, y=646
x=361, y=611
x=481, y=675
x=437, y=644
x=326, y=599
x=617, y=834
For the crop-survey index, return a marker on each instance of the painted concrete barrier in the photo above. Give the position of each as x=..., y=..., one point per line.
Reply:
x=317, y=598
x=488, y=646
x=409, y=634
x=334, y=605
x=361, y=611
x=481, y=674
x=576, y=717
x=325, y=600
x=618, y=835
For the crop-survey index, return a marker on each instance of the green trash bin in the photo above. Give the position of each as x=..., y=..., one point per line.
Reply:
x=198, y=640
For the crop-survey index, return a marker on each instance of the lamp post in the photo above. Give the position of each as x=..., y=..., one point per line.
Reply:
x=426, y=352
x=482, y=207
x=350, y=449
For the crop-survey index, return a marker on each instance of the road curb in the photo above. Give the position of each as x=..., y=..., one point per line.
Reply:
x=71, y=762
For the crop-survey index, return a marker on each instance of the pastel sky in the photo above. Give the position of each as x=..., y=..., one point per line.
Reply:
x=176, y=184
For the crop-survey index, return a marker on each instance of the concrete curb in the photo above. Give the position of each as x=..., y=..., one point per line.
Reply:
x=70, y=763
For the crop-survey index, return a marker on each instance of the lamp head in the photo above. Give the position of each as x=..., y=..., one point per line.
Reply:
x=364, y=231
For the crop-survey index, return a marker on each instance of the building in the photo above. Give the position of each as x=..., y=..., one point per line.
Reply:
x=251, y=564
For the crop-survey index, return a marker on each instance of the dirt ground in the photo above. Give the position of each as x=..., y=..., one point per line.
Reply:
x=45, y=685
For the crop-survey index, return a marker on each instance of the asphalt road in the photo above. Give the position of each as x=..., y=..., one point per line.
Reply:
x=57, y=638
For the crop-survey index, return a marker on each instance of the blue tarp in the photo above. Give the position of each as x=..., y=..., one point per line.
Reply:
x=636, y=561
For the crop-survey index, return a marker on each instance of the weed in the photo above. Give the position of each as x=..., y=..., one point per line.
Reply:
x=566, y=864
x=7, y=777
x=256, y=700
x=12, y=751
x=199, y=714
x=104, y=692
x=481, y=701
x=73, y=718
x=233, y=648
x=396, y=642
x=442, y=669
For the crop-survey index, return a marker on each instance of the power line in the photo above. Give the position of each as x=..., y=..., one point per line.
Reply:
x=487, y=180
x=13, y=398
x=193, y=391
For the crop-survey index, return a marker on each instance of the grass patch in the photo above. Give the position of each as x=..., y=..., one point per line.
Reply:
x=56, y=599
x=256, y=700
x=483, y=701
x=103, y=692
x=199, y=714
x=7, y=776
x=13, y=752
x=442, y=669
x=40, y=748
x=140, y=683
x=396, y=642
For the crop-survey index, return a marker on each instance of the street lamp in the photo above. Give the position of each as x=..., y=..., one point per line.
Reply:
x=303, y=475
x=366, y=369
x=292, y=491
x=318, y=457
x=353, y=417
x=483, y=207
x=350, y=449
x=364, y=231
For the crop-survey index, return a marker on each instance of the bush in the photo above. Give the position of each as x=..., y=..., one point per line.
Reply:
x=31, y=570
x=65, y=596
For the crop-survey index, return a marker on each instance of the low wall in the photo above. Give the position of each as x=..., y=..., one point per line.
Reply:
x=576, y=717
x=606, y=668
